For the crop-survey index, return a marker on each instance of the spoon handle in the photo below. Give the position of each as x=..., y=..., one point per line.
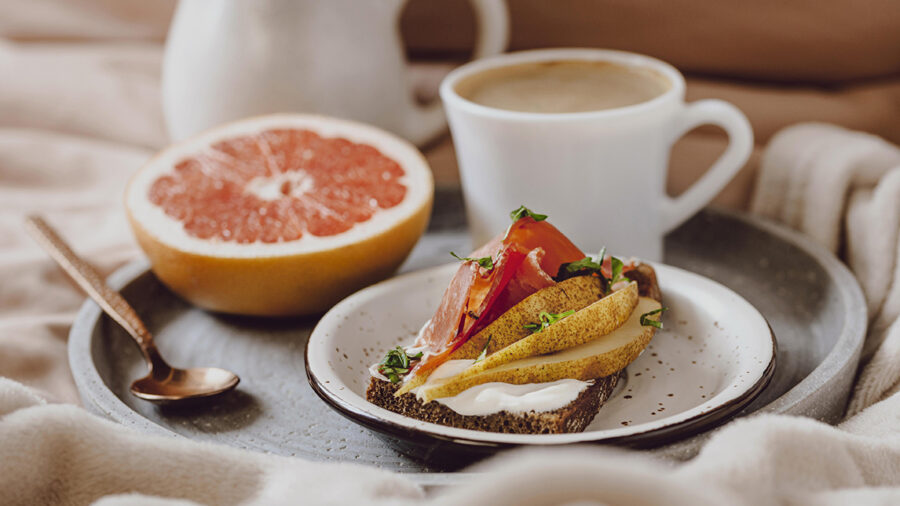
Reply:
x=89, y=280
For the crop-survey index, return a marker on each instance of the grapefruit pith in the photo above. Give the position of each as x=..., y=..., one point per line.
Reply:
x=280, y=214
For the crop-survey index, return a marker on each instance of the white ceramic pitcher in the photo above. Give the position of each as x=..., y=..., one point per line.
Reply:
x=228, y=59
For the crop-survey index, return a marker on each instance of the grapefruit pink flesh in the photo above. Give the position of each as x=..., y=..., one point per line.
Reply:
x=277, y=185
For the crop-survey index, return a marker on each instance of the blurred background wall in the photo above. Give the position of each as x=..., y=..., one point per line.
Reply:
x=780, y=61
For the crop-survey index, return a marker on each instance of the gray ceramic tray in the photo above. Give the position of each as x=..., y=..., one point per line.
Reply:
x=812, y=302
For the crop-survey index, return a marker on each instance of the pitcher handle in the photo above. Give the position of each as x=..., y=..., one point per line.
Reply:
x=492, y=18
x=740, y=144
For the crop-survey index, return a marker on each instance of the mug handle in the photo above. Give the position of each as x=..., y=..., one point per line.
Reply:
x=676, y=211
x=492, y=18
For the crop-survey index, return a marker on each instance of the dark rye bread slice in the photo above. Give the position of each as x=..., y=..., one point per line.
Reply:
x=573, y=417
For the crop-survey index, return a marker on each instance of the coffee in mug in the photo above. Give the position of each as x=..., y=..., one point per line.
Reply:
x=562, y=86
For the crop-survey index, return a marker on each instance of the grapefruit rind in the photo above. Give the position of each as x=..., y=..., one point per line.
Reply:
x=307, y=283
x=305, y=276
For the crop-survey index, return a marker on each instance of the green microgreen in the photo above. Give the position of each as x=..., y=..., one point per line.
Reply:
x=523, y=211
x=590, y=263
x=520, y=213
x=593, y=265
x=649, y=322
x=546, y=319
x=484, y=350
x=484, y=262
x=396, y=364
x=616, y=271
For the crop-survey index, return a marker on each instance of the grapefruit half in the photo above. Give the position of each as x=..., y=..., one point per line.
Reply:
x=281, y=214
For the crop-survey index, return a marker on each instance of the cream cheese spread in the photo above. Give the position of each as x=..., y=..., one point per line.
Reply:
x=494, y=397
x=490, y=398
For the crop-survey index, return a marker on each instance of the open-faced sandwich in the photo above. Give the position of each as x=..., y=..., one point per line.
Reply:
x=530, y=337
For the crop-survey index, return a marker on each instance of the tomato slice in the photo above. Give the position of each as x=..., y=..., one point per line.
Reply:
x=529, y=234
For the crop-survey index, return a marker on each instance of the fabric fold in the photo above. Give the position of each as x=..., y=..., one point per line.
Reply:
x=842, y=189
x=60, y=454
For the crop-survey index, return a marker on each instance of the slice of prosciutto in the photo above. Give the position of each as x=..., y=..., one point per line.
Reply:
x=525, y=260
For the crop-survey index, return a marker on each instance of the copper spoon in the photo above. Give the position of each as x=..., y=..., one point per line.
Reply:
x=164, y=383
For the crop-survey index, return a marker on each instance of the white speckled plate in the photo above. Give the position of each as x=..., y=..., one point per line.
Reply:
x=715, y=355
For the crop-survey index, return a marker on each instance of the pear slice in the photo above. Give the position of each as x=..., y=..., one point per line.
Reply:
x=596, y=358
x=587, y=324
x=573, y=293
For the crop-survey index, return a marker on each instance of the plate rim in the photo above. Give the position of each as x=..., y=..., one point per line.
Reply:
x=843, y=354
x=428, y=432
x=848, y=346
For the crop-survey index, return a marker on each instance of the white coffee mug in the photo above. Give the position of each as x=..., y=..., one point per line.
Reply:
x=599, y=175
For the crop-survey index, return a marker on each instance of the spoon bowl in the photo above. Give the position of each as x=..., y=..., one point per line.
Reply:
x=183, y=384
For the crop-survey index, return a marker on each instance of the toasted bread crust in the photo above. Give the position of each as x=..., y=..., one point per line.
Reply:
x=573, y=417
